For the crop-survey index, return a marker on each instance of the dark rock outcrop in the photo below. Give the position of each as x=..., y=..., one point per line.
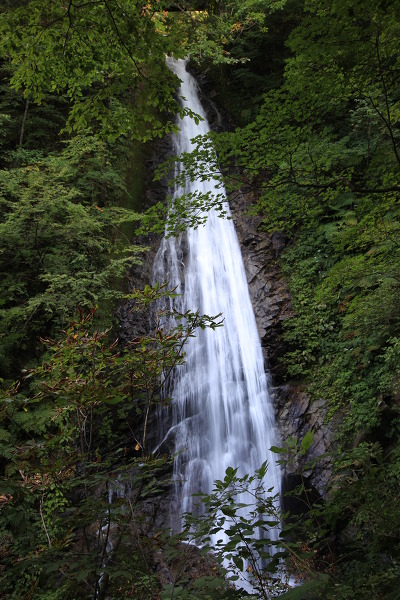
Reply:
x=135, y=323
x=295, y=413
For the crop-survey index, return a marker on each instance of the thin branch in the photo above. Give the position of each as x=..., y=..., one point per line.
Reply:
x=42, y=519
x=121, y=39
x=388, y=119
x=69, y=25
x=21, y=137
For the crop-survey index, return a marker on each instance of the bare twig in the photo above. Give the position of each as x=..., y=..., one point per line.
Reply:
x=42, y=519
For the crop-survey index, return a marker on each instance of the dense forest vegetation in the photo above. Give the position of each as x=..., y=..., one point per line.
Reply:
x=314, y=87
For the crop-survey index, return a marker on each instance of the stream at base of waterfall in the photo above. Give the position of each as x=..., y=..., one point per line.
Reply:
x=222, y=415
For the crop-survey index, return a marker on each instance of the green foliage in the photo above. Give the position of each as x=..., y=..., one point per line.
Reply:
x=62, y=467
x=96, y=72
x=211, y=35
x=253, y=36
x=256, y=561
x=347, y=323
x=329, y=134
x=368, y=524
x=106, y=57
x=245, y=541
x=59, y=248
x=344, y=269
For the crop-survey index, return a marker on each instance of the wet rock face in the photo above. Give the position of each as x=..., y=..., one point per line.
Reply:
x=134, y=323
x=268, y=289
x=295, y=413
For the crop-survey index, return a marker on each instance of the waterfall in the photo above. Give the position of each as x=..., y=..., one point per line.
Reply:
x=221, y=414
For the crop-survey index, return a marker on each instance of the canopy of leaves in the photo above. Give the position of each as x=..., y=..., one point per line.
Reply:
x=107, y=57
x=75, y=469
x=56, y=242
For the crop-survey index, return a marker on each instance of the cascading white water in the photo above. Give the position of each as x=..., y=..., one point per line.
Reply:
x=222, y=414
